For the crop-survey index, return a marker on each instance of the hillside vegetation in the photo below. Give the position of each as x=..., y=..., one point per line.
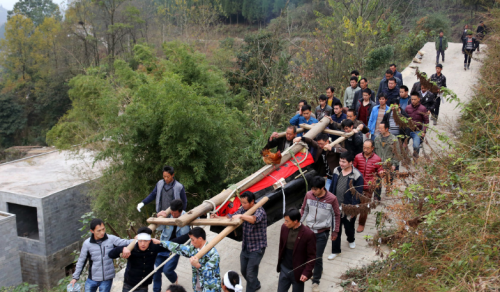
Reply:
x=447, y=235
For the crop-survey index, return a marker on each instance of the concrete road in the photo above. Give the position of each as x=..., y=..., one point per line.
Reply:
x=458, y=80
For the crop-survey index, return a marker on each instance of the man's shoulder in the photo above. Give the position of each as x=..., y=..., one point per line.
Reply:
x=356, y=173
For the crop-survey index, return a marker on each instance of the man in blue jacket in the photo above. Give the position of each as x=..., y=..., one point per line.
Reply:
x=170, y=233
x=377, y=115
x=343, y=175
x=165, y=191
x=303, y=117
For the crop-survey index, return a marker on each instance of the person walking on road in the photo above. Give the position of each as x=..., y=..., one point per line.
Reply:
x=470, y=44
x=463, y=34
x=440, y=81
x=343, y=175
x=368, y=163
x=95, y=251
x=480, y=33
x=320, y=212
x=254, y=241
x=441, y=46
x=296, y=253
x=418, y=113
x=170, y=233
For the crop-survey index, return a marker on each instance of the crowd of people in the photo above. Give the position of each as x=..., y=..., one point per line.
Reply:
x=376, y=143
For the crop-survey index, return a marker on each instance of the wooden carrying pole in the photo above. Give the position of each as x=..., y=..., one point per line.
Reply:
x=206, y=206
x=332, y=132
x=151, y=226
x=229, y=229
x=207, y=222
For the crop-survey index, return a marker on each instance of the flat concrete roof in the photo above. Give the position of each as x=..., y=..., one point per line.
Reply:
x=45, y=174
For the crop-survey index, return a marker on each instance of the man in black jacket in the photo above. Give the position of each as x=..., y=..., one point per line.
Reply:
x=469, y=45
x=363, y=83
x=353, y=144
x=142, y=258
x=440, y=80
x=427, y=99
x=284, y=142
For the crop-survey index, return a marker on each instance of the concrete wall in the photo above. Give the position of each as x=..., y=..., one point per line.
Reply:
x=61, y=214
x=43, y=261
x=26, y=244
x=10, y=264
x=46, y=271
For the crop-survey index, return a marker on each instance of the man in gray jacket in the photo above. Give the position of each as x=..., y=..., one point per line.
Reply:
x=95, y=250
x=165, y=191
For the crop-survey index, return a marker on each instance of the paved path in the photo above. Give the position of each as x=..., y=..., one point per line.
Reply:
x=458, y=80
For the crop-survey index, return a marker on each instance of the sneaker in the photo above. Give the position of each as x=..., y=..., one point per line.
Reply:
x=315, y=287
x=468, y=67
x=352, y=244
x=434, y=122
x=332, y=256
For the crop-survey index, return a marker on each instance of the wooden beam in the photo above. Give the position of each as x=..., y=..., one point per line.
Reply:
x=209, y=222
x=151, y=226
x=327, y=131
x=229, y=229
x=206, y=207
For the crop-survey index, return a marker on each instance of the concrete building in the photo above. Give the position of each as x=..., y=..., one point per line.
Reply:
x=10, y=267
x=47, y=195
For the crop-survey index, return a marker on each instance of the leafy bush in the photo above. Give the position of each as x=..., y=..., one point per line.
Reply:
x=434, y=22
x=409, y=44
x=379, y=56
x=167, y=112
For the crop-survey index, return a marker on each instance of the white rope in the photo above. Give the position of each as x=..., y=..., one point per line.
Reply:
x=157, y=268
x=283, y=191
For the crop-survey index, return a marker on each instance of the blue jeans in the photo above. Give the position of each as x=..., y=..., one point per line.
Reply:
x=104, y=286
x=250, y=261
x=416, y=140
x=328, y=184
x=168, y=269
x=321, y=240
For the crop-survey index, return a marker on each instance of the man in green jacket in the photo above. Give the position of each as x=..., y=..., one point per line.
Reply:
x=387, y=146
x=441, y=46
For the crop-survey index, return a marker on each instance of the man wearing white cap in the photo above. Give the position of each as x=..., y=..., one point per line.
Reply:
x=141, y=261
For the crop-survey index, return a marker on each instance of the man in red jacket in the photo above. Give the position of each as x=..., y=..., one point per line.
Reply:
x=297, y=252
x=418, y=113
x=369, y=164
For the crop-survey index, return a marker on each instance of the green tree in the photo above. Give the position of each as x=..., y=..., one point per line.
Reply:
x=173, y=111
x=36, y=10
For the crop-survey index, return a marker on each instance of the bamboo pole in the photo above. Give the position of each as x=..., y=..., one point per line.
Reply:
x=207, y=222
x=229, y=229
x=151, y=226
x=206, y=207
x=332, y=132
